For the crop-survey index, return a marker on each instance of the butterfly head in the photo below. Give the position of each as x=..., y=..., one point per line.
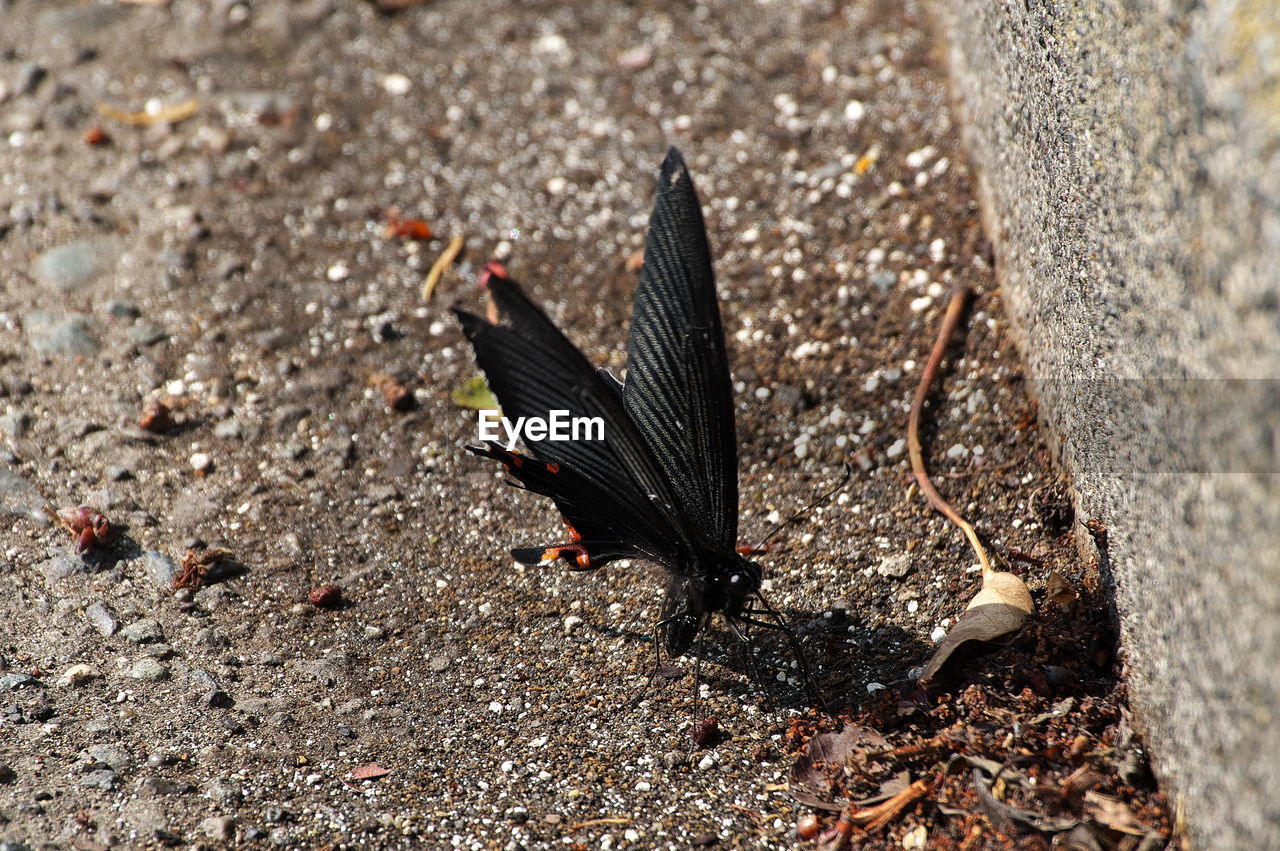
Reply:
x=741, y=581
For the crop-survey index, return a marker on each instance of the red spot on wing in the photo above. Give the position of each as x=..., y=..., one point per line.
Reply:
x=514, y=457
x=492, y=268
x=577, y=552
x=574, y=534
x=553, y=468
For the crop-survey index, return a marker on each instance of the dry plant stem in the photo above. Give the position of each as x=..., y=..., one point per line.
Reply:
x=949, y=322
x=597, y=822
x=443, y=262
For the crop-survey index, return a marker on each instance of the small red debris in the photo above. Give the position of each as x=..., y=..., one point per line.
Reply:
x=196, y=564
x=89, y=526
x=325, y=596
x=156, y=417
x=369, y=772
x=394, y=393
x=705, y=732
x=395, y=226
x=808, y=826
x=96, y=136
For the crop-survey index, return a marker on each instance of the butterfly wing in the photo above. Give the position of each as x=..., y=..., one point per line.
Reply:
x=677, y=389
x=602, y=527
x=533, y=369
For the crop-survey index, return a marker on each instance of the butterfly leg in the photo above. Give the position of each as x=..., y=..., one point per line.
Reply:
x=749, y=651
x=780, y=626
x=654, y=672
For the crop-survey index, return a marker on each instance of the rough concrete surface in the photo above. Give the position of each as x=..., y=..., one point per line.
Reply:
x=1128, y=159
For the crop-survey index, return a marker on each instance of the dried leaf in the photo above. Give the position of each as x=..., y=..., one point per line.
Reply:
x=809, y=783
x=1113, y=814
x=895, y=785
x=978, y=624
x=1058, y=710
x=369, y=772
x=475, y=393
x=1058, y=590
x=1003, y=589
x=1005, y=817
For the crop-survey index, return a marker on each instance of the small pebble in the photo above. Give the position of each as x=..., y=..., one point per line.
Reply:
x=219, y=828
x=69, y=335
x=396, y=84
x=326, y=596
x=201, y=462
x=69, y=266
x=149, y=670
x=895, y=566
x=144, y=631
x=101, y=779
x=78, y=675
x=60, y=567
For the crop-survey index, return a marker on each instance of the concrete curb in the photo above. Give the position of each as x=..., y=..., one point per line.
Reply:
x=1128, y=157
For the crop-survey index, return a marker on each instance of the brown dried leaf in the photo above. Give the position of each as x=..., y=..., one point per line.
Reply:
x=809, y=783
x=1003, y=589
x=369, y=772
x=1113, y=814
x=982, y=623
x=1006, y=818
x=1058, y=590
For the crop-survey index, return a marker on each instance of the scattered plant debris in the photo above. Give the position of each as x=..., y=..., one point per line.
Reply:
x=89, y=526
x=196, y=564
x=442, y=264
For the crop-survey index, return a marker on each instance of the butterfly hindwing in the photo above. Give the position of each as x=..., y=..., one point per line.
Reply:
x=602, y=525
x=677, y=389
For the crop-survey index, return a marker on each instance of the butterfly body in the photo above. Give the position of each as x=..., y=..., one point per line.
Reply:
x=662, y=484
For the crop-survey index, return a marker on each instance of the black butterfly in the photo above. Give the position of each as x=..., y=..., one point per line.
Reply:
x=662, y=485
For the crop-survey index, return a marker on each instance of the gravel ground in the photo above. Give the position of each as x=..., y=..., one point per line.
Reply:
x=194, y=200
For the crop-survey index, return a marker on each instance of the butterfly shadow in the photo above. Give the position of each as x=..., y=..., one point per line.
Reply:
x=758, y=664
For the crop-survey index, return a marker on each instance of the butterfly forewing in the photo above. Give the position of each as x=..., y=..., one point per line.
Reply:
x=677, y=389
x=533, y=369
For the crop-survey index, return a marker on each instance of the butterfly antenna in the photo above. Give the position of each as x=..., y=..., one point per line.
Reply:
x=848, y=472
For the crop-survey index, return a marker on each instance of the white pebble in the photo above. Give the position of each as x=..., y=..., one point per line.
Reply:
x=896, y=448
x=571, y=623
x=496, y=706
x=854, y=110
x=913, y=606
x=644, y=786
x=872, y=688
x=201, y=462
x=338, y=272
x=556, y=185
x=937, y=635
x=921, y=303
x=396, y=84
x=957, y=452
x=919, y=157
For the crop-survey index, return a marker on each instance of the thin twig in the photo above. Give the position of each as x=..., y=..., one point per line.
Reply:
x=596, y=822
x=949, y=322
x=443, y=262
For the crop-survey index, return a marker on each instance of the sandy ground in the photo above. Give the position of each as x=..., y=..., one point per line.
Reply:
x=234, y=263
